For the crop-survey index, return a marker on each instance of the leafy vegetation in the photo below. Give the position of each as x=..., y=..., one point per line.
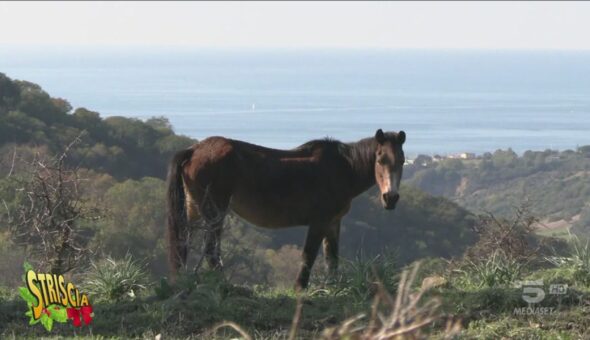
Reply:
x=114, y=280
x=557, y=184
x=122, y=147
x=576, y=261
x=495, y=271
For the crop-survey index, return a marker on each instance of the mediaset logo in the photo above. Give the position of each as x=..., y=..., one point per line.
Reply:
x=51, y=299
x=533, y=292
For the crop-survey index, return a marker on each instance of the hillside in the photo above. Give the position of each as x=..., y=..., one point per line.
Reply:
x=122, y=147
x=555, y=184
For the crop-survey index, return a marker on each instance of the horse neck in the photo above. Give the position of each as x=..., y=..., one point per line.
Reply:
x=363, y=164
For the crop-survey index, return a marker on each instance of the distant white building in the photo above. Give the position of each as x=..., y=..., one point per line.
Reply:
x=463, y=155
x=467, y=155
x=551, y=158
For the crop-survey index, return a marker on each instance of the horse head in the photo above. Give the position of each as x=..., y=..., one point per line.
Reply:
x=389, y=163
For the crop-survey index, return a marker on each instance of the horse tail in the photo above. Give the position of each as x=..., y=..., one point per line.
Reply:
x=177, y=221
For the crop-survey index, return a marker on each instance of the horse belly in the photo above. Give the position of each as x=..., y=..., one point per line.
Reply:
x=271, y=212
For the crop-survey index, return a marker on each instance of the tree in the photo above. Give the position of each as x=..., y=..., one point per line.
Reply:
x=9, y=94
x=585, y=150
x=47, y=218
x=512, y=236
x=504, y=158
x=160, y=123
x=423, y=160
x=135, y=222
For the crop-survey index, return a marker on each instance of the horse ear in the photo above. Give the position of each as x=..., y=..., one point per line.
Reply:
x=401, y=137
x=380, y=136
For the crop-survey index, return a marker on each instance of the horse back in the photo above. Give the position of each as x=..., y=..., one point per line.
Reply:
x=271, y=187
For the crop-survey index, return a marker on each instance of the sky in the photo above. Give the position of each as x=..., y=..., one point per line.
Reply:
x=464, y=25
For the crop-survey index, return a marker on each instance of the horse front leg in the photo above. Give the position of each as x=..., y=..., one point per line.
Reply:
x=330, y=244
x=313, y=240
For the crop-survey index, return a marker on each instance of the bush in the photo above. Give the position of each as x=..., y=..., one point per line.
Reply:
x=359, y=277
x=114, y=280
x=514, y=236
x=497, y=270
x=577, y=262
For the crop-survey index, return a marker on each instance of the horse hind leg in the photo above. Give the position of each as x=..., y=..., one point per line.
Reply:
x=192, y=208
x=213, y=211
x=193, y=218
x=212, y=251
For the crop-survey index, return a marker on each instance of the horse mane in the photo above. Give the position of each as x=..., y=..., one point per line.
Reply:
x=315, y=143
x=360, y=155
x=329, y=146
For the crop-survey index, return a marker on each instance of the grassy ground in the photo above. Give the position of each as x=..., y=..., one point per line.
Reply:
x=563, y=232
x=266, y=313
x=262, y=312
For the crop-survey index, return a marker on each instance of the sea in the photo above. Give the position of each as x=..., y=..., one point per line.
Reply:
x=447, y=101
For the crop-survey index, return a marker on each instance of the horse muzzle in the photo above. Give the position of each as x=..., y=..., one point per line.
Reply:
x=390, y=200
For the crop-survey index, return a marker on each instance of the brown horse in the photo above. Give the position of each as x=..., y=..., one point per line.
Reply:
x=312, y=185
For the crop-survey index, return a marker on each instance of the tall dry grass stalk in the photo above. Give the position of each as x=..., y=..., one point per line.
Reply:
x=296, y=316
x=231, y=325
x=403, y=317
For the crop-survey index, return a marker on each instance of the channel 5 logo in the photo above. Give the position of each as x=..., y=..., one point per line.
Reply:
x=534, y=292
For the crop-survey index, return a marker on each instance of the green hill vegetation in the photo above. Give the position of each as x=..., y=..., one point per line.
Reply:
x=555, y=184
x=122, y=147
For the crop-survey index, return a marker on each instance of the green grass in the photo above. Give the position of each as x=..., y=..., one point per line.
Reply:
x=262, y=312
x=563, y=233
x=496, y=270
x=192, y=309
x=576, y=261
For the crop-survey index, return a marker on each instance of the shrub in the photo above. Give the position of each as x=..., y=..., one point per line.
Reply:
x=359, y=277
x=114, y=280
x=514, y=236
x=577, y=261
x=497, y=270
